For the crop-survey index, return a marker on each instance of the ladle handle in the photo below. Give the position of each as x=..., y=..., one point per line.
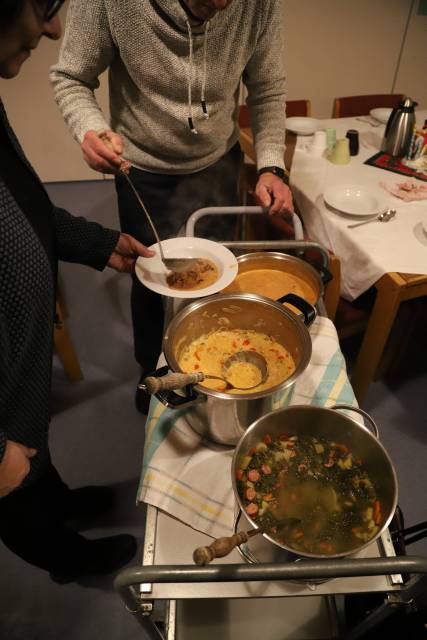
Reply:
x=221, y=547
x=124, y=172
x=171, y=381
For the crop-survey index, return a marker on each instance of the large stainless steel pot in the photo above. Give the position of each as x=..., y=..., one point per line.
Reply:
x=220, y=416
x=282, y=262
x=334, y=426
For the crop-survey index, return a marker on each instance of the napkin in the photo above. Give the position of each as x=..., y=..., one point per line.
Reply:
x=409, y=190
x=189, y=477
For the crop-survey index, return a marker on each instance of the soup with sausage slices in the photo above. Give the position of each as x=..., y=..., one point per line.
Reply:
x=309, y=494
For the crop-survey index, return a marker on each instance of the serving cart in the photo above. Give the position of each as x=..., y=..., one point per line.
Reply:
x=172, y=599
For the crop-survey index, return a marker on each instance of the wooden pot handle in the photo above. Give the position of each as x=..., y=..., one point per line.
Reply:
x=221, y=547
x=171, y=381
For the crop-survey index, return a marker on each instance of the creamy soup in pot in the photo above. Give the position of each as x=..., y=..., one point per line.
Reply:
x=271, y=283
x=209, y=352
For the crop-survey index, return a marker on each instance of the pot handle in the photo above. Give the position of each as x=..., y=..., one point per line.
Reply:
x=309, y=312
x=161, y=383
x=372, y=424
x=221, y=547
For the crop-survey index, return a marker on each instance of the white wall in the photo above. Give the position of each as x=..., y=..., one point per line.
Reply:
x=333, y=48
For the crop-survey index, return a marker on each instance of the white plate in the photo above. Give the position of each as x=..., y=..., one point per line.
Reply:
x=381, y=114
x=152, y=273
x=302, y=126
x=355, y=200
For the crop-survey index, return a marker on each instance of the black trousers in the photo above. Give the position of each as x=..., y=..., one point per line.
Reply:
x=32, y=526
x=170, y=200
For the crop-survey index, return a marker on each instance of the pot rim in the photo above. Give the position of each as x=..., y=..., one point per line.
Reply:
x=285, y=257
x=200, y=302
x=376, y=443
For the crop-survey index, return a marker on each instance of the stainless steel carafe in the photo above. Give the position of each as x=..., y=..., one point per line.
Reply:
x=399, y=129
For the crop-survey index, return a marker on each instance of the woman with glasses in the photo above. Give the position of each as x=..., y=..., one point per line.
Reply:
x=35, y=504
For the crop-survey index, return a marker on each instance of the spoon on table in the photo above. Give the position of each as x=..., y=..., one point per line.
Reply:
x=223, y=546
x=171, y=264
x=385, y=216
x=172, y=381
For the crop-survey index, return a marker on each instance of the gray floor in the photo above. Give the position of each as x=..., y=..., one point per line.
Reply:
x=97, y=437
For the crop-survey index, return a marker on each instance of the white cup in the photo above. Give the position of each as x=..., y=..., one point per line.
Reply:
x=318, y=143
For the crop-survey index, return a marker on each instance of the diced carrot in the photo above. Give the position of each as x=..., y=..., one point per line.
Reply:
x=239, y=474
x=254, y=475
x=252, y=509
x=252, y=349
x=267, y=439
x=234, y=343
x=246, y=342
x=266, y=469
x=280, y=357
x=252, y=451
x=341, y=447
x=250, y=493
x=197, y=366
x=377, y=512
x=302, y=467
x=325, y=545
x=298, y=535
x=268, y=497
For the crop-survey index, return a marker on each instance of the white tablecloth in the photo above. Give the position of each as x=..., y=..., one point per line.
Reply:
x=370, y=251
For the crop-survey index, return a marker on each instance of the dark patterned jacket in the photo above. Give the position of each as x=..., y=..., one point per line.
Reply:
x=34, y=235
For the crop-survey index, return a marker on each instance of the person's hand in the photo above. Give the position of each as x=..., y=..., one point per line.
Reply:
x=126, y=252
x=272, y=192
x=103, y=150
x=14, y=466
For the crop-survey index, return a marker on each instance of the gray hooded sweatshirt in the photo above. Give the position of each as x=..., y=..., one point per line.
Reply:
x=174, y=85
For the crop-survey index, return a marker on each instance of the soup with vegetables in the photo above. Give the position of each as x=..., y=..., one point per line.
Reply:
x=209, y=352
x=309, y=494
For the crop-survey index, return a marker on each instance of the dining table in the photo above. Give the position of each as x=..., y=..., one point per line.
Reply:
x=392, y=256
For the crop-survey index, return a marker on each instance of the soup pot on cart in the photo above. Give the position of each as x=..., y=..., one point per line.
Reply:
x=218, y=415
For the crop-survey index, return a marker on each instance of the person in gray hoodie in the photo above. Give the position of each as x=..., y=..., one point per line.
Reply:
x=175, y=69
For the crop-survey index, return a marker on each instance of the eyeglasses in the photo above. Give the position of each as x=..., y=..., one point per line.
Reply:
x=51, y=9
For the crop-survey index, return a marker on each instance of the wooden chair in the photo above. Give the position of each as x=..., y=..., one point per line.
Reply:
x=351, y=106
x=63, y=344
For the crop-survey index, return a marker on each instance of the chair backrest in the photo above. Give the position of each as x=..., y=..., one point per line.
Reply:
x=361, y=105
x=293, y=108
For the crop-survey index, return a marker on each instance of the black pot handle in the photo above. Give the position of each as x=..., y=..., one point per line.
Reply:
x=172, y=399
x=307, y=309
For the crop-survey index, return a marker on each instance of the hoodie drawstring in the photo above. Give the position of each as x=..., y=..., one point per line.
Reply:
x=205, y=50
x=190, y=76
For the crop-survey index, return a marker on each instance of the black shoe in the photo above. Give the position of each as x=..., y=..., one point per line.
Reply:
x=89, y=501
x=103, y=556
x=142, y=399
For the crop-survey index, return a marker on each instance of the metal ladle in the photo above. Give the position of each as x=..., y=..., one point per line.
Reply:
x=172, y=381
x=171, y=264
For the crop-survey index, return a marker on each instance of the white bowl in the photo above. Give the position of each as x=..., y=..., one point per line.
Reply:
x=302, y=126
x=355, y=199
x=381, y=114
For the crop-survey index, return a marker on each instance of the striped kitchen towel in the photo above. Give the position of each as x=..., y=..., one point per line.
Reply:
x=189, y=477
